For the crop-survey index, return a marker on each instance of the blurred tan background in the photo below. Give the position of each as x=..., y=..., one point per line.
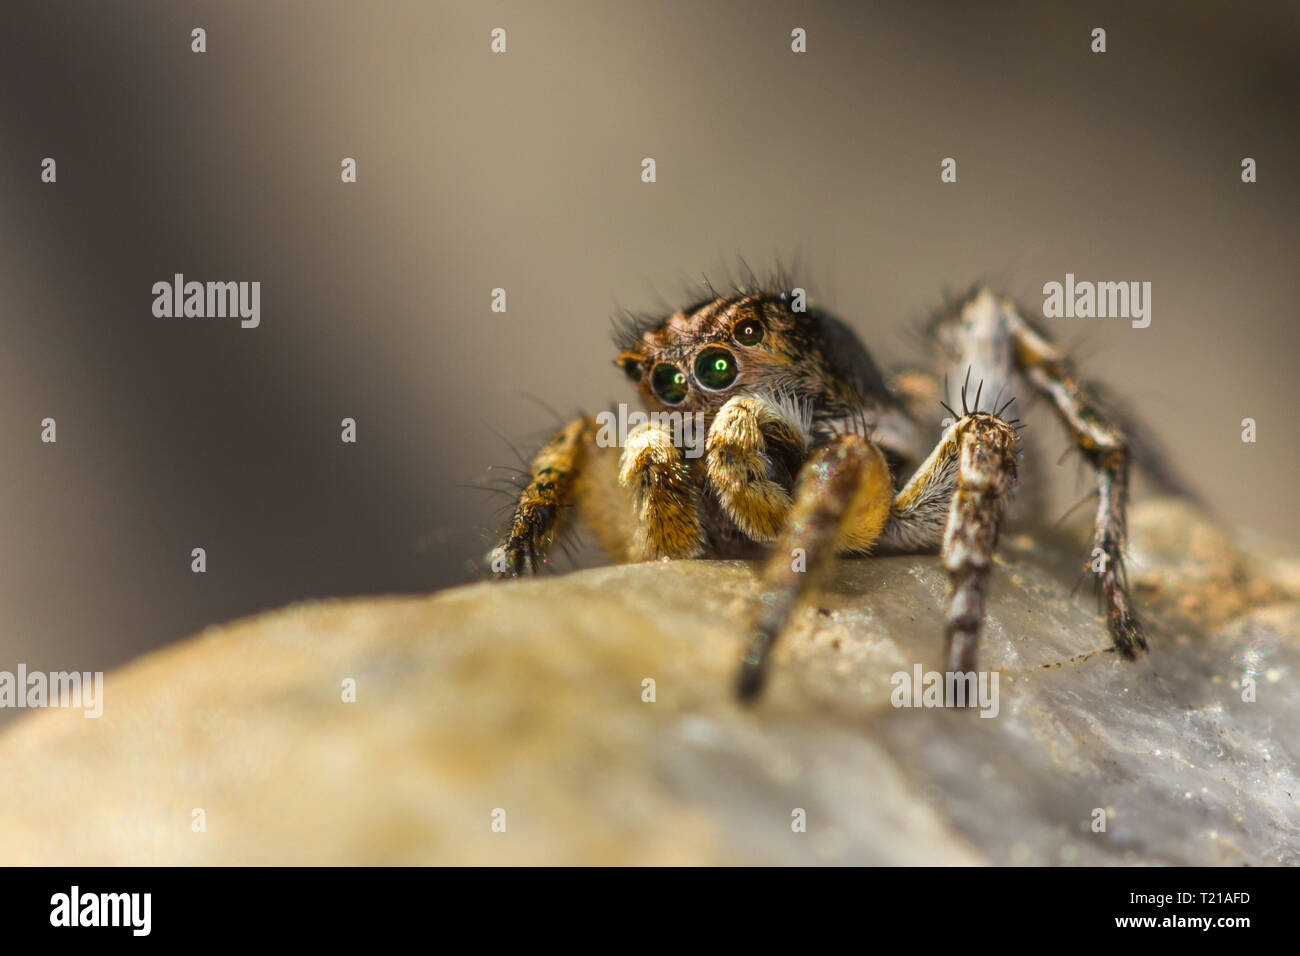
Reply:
x=523, y=171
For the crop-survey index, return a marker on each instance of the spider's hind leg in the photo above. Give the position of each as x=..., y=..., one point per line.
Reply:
x=987, y=326
x=1106, y=446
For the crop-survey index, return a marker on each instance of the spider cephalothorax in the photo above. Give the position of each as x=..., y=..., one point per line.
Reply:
x=811, y=451
x=695, y=359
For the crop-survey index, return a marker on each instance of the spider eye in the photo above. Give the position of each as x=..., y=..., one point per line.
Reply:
x=632, y=369
x=668, y=382
x=715, y=368
x=748, y=332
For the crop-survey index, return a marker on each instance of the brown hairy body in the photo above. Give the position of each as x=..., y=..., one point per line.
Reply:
x=811, y=452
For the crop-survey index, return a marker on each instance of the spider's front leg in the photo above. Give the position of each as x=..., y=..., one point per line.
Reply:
x=841, y=502
x=573, y=475
x=549, y=490
x=844, y=501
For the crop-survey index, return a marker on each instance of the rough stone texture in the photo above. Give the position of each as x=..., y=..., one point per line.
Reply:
x=528, y=697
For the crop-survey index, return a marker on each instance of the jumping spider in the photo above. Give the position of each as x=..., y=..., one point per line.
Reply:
x=810, y=447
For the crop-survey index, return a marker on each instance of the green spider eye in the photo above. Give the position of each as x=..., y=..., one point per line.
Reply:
x=669, y=383
x=748, y=332
x=715, y=368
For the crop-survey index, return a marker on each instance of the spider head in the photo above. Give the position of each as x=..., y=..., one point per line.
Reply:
x=701, y=356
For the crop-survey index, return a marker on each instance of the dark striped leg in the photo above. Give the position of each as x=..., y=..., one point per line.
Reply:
x=988, y=335
x=1106, y=447
x=985, y=474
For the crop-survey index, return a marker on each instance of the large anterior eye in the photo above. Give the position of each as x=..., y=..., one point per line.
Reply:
x=748, y=331
x=668, y=382
x=715, y=368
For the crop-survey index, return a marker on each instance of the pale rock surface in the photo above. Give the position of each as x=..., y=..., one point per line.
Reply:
x=528, y=697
